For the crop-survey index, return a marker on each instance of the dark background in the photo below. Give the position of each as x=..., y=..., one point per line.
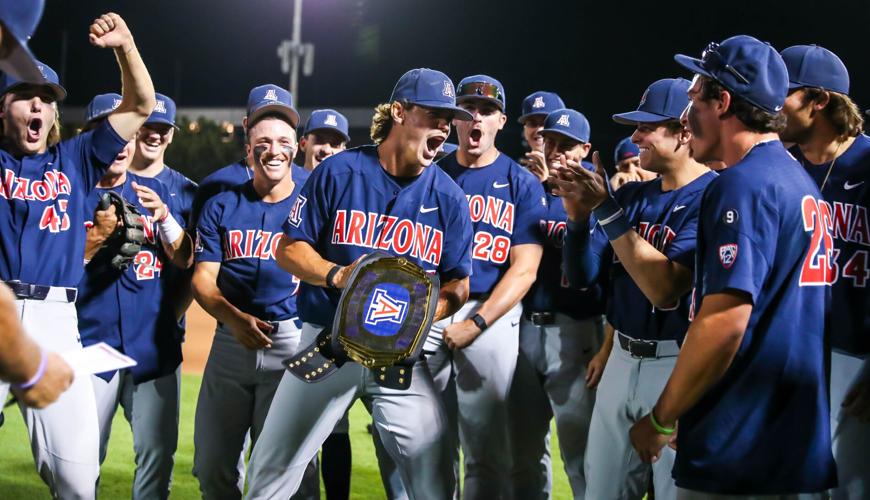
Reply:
x=599, y=56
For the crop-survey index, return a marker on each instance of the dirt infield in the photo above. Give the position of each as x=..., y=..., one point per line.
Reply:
x=200, y=332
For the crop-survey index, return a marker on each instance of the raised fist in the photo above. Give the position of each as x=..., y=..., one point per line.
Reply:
x=110, y=31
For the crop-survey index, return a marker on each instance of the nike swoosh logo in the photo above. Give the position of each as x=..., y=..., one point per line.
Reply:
x=424, y=210
x=679, y=207
x=498, y=186
x=849, y=187
x=171, y=194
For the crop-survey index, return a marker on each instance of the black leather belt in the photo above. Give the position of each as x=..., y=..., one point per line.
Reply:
x=638, y=348
x=540, y=318
x=37, y=292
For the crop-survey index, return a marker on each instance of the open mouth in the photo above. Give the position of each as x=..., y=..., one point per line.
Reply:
x=474, y=137
x=34, y=130
x=433, y=144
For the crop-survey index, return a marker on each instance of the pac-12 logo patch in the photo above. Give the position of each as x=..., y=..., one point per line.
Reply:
x=728, y=254
x=386, y=309
x=295, y=217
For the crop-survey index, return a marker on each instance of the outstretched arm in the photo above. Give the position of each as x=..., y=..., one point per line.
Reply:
x=110, y=31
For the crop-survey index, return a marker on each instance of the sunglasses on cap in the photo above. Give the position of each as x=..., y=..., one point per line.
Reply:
x=480, y=89
x=712, y=60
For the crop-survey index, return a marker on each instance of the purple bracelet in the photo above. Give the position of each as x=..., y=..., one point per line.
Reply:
x=43, y=361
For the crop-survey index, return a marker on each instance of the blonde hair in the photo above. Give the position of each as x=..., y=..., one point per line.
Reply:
x=54, y=132
x=841, y=111
x=382, y=123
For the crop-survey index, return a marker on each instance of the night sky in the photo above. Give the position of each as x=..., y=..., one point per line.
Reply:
x=599, y=56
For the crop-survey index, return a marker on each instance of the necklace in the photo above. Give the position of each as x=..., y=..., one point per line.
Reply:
x=831, y=166
x=753, y=146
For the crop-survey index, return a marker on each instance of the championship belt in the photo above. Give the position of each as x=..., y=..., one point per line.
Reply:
x=381, y=322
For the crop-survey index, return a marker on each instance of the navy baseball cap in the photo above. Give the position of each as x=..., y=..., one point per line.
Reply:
x=567, y=122
x=664, y=100
x=540, y=103
x=20, y=17
x=814, y=66
x=327, y=119
x=428, y=88
x=625, y=149
x=101, y=105
x=749, y=68
x=271, y=99
x=481, y=87
x=9, y=83
x=164, y=111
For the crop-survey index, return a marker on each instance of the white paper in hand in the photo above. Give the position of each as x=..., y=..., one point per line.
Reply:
x=97, y=358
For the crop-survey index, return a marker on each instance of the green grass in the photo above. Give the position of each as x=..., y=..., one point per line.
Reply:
x=18, y=478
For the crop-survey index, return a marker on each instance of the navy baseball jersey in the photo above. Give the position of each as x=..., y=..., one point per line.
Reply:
x=506, y=204
x=847, y=191
x=241, y=231
x=182, y=192
x=217, y=182
x=667, y=220
x=764, y=428
x=351, y=207
x=551, y=291
x=42, y=209
x=128, y=309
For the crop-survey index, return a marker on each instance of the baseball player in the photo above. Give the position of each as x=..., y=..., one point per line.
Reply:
x=152, y=140
x=326, y=133
x=44, y=184
x=388, y=197
x=749, y=388
x=535, y=108
x=126, y=309
x=238, y=281
x=826, y=125
x=626, y=161
x=39, y=377
x=475, y=366
x=649, y=260
x=560, y=331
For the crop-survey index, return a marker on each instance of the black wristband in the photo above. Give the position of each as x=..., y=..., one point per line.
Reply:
x=478, y=320
x=330, y=276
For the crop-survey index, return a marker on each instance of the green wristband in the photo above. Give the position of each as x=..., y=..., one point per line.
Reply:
x=665, y=431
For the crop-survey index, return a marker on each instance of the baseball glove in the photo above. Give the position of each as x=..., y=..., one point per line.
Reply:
x=122, y=245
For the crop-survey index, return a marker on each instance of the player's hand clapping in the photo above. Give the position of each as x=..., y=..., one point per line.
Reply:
x=537, y=164
x=580, y=189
